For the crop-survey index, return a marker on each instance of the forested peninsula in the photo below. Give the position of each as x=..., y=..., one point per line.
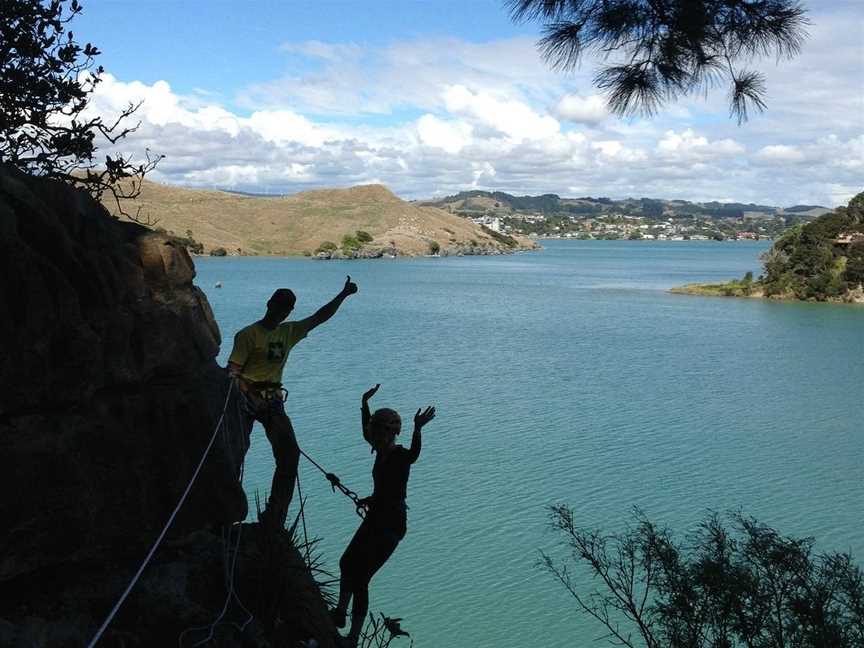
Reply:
x=818, y=261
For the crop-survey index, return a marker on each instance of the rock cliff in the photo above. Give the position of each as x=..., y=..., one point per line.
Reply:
x=110, y=394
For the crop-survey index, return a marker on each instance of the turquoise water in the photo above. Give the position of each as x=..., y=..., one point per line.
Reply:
x=567, y=375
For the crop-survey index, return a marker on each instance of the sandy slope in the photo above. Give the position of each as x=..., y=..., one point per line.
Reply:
x=292, y=225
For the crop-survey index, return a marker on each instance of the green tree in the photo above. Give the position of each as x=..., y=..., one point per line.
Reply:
x=809, y=262
x=350, y=243
x=326, y=246
x=363, y=237
x=45, y=86
x=855, y=264
x=654, y=51
x=741, y=584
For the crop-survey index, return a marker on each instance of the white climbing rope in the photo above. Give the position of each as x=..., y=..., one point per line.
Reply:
x=167, y=524
x=227, y=558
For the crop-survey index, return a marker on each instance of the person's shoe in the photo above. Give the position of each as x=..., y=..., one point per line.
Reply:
x=338, y=617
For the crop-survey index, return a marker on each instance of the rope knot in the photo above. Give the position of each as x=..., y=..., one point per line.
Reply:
x=334, y=481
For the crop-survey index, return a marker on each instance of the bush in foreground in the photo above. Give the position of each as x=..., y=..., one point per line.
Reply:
x=741, y=584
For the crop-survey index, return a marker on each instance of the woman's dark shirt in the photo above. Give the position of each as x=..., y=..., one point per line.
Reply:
x=390, y=475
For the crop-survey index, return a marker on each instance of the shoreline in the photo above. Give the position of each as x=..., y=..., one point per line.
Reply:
x=360, y=255
x=736, y=290
x=668, y=240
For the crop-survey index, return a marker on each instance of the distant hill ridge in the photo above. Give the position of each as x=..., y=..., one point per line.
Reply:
x=366, y=220
x=506, y=204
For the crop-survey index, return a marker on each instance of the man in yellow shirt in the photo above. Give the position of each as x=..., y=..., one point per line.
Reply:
x=257, y=359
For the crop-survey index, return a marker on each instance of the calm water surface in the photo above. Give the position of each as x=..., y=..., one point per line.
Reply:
x=568, y=375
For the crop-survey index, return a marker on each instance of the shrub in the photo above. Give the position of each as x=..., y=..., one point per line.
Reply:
x=363, y=236
x=434, y=247
x=731, y=584
x=509, y=241
x=326, y=246
x=855, y=263
x=218, y=252
x=350, y=243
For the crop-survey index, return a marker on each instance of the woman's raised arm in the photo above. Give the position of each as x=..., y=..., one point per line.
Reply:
x=365, y=415
x=420, y=419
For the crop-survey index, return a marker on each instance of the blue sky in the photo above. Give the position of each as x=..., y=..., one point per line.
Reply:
x=223, y=46
x=431, y=98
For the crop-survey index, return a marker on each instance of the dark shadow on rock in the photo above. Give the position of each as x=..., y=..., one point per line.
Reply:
x=110, y=394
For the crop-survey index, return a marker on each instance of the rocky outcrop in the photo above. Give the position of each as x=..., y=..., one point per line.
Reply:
x=110, y=394
x=472, y=249
x=465, y=248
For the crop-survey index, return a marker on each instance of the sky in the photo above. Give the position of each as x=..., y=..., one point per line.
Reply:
x=435, y=97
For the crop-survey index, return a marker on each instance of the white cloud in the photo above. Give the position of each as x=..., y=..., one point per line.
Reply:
x=583, y=110
x=615, y=150
x=451, y=115
x=287, y=126
x=688, y=145
x=512, y=118
x=450, y=136
x=780, y=153
x=481, y=169
x=333, y=52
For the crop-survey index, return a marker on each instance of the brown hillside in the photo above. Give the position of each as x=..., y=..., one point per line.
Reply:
x=298, y=224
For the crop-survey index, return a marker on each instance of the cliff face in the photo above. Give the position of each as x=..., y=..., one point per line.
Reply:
x=110, y=393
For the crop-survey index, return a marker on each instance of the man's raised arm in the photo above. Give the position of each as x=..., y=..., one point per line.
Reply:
x=329, y=309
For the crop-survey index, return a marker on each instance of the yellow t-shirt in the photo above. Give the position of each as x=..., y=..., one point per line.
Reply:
x=262, y=353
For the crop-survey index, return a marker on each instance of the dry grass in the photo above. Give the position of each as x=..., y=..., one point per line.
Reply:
x=292, y=225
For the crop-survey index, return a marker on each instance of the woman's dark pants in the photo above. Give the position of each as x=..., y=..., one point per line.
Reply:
x=372, y=544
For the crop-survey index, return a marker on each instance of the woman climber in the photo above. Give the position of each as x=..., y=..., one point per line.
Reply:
x=385, y=523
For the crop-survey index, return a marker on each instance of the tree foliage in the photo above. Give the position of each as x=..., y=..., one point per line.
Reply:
x=46, y=79
x=654, y=51
x=326, y=246
x=739, y=585
x=809, y=262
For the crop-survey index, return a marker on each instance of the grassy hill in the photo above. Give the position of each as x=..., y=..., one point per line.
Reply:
x=298, y=224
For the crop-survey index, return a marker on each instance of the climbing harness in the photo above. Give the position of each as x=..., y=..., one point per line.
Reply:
x=269, y=391
x=360, y=507
x=167, y=524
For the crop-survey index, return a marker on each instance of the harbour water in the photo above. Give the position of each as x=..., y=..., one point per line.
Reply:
x=568, y=375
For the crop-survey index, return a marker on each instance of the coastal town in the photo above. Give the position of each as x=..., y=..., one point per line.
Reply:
x=587, y=218
x=621, y=226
